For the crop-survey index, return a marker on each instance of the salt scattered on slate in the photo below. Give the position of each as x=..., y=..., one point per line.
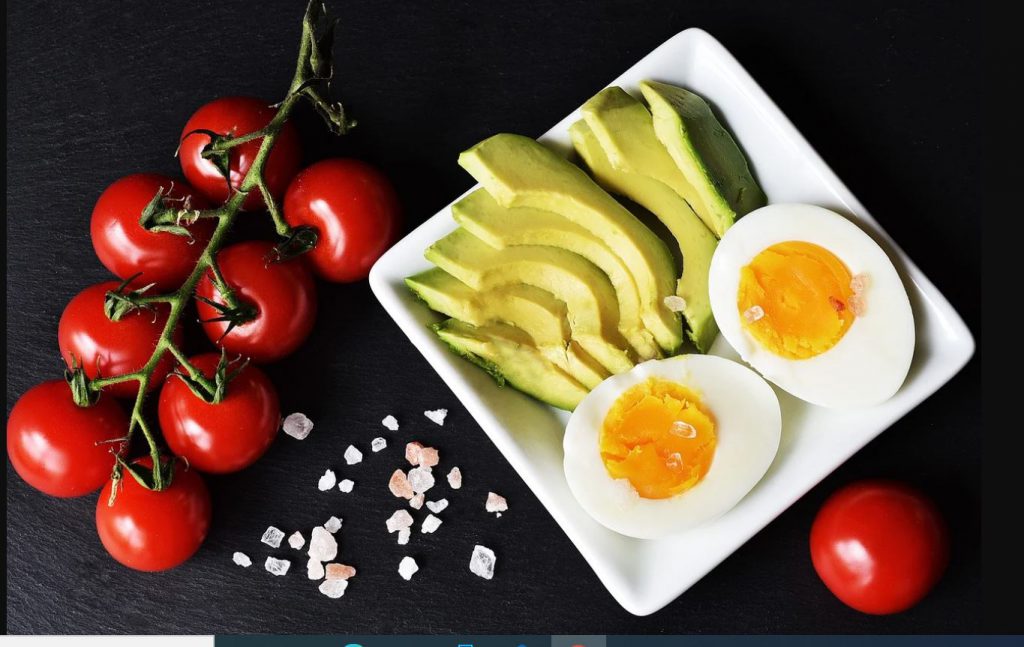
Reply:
x=407, y=568
x=333, y=525
x=241, y=559
x=390, y=423
x=327, y=481
x=353, y=455
x=482, y=562
x=436, y=416
x=297, y=425
x=296, y=540
x=272, y=537
x=346, y=485
x=333, y=588
x=495, y=503
x=417, y=501
x=437, y=506
x=399, y=485
x=339, y=571
x=314, y=569
x=399, y=520
x=420, y=479
x=455, y=478
x=430, y=524
x=322, y=545
x=276, y=566
x=378, y=444
x=413, y=451
x=403, y=536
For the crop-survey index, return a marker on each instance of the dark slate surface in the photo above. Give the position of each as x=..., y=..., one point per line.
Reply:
x=97, y=90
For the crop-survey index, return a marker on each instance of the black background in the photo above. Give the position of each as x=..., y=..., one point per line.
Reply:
x=886, y=94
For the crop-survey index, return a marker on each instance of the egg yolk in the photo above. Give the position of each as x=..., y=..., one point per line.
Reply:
x=795, y=299
x=660, y=437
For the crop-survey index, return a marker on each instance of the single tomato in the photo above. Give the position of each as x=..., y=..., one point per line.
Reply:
x=226, y=436
x=106, y=348
x=60, y=448
x=282, y=295
x=234, y=117
x=879, y=546
x=354, y=210
x=154, y=531
x=127, y=248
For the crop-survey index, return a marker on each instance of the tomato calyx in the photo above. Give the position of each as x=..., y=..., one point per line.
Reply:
x=157, y=479
x=212, y=390
x=235, y=315
x=299, y=240
x=121, y=301
x=76, y=378
x=165, y=214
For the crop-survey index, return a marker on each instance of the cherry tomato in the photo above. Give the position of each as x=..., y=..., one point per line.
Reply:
x=154, y=531
x=58, y=447
x=226, y=436
x=106, y=348
x=126, y=248
x=283, y=295
x=353, y=208
x=879, y=546
x=233, y=117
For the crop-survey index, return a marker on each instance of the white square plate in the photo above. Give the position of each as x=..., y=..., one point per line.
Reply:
x=640, y=574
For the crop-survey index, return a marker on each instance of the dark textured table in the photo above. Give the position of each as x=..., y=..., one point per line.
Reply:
x=885, y=93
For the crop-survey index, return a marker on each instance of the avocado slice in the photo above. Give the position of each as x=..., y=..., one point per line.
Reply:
x=706, y=154
x=617, y=142
x=499, y=227
x=520, y=172
x=534, y=311
x=509, y=356
x=592, y=308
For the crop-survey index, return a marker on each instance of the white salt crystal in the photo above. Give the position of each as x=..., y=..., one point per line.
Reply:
x=353, y=455
x=297, y=425
x=482, y=562
x=327, y=481
x=403, y=536
x=390, y=422
x=436, y=416
x=430, y=524
x=346, y=485
x=296, y=540
x=683, y=429
x=421, y=479
x=437, y=506
x=399, y=520
x=333, y=588
x=276, y=566
x=272, y=537
x=675, y=303
x=495, y=503
x=241, y=559
x=455, y=478
x=417, y=501
x=378, y=444
x=323, y=546
x=333, y=525
x=407, y=568
x=753, y=314
x=314, y=569
x=674, y=461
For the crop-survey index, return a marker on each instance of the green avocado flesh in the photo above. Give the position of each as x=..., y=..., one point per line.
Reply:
x=508, y=354
x=520, y=172
x=618, y=127
x=706, y=154
x=532, y=310
x=591, y=305
x=499, y=227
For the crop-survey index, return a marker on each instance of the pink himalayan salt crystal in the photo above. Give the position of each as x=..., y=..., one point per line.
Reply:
x=413, y=451
x=339, y=571
x=399, y=485
x=857, y=305
x=417, y=501
x=859, y=283
x=753, y=313
x=683, y=429
x=455, y=478
x=495, y=503
x=429, y=457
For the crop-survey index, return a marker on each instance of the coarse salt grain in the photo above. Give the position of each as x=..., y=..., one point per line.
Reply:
x=753, y=313
x=430, y=524
x=339, y=571
x=859, y=283
x=296, y=540
x=675, y=303
x=276, y=566
x=327, y=481
x=455, y=478
x=482, y=562
x=436, y=416
x=332, y=525
x=297, y=425
x=346, y=485
x=683, y=429
x=420, y=479
x=403, y=536
x=429, y=457
x=314, y=569
x=437, y=506
x=353, y=455
x=390, y=423
x=413, y=451
x=399, y=485
x=495, y=503
x=417, y=501
x=333, y=588
x=323, y=546
x=272, y=537
x=399, y=520
x=241, y=559
x=674, y=461
x=857, y=305
x=407, y=568
x=377, y=444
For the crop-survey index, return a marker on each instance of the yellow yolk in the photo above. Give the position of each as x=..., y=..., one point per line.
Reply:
x=660, y=437
x=794, y=299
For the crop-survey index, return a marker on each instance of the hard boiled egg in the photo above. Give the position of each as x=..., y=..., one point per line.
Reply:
x=671, y=444
x=813, y=304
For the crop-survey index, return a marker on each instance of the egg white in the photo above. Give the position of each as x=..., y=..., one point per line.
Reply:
x=748, y=423
x=870, y=362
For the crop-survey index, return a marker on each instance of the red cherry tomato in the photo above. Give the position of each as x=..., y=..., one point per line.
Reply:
x=106, y=348
x=282, y=293
x=126, y=248
x=353, y=208
x=226, y=436
x=154, y=531
x=58, y=447
x=879, y=546
x=233, y=117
